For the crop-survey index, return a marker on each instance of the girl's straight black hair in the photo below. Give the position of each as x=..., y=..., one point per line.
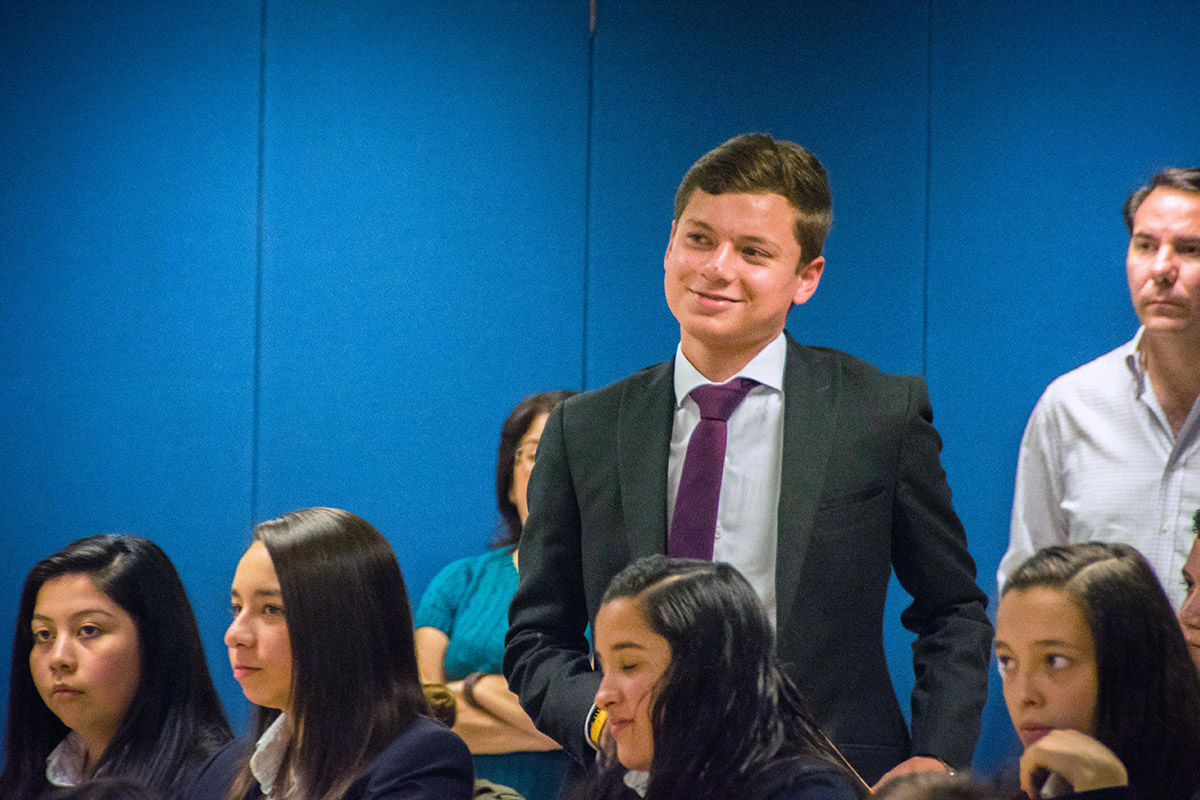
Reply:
x=175, y=720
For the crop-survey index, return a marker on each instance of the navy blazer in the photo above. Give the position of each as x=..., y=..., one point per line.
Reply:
x=862, y=493
x=425, y=762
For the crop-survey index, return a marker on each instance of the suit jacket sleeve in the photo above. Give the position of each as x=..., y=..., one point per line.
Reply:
x=546, y=656
x=930, y=558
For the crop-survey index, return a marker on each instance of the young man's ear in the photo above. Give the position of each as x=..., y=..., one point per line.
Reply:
x=810, y=276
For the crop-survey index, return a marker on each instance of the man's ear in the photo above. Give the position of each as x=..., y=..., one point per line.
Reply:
x=670, y=242
x=809, y=276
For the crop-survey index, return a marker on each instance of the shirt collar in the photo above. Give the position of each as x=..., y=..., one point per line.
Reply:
x=1135, y=360
x=766, y=368
x=638, y=780
x=269, y=752
x=64, y=765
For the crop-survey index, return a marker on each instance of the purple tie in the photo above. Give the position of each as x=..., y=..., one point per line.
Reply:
x=695, y=522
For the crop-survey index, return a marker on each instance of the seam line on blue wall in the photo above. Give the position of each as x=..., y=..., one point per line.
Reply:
x=928, y=190
x=587, y=195
x=258, y=263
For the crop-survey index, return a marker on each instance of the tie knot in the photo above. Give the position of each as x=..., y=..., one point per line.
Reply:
x=718, y=400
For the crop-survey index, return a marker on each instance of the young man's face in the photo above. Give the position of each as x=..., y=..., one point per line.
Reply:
x=733, y=270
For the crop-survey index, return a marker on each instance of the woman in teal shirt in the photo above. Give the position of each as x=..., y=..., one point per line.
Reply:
x=463, y=617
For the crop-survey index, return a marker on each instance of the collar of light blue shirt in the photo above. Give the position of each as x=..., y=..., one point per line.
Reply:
x=766, y=368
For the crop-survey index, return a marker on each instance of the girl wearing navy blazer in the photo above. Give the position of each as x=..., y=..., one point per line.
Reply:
x=321, y=642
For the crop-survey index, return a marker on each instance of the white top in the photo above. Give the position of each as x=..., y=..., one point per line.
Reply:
x=1099, y=462
x=268, y=755
x=64, y=765
x=638, y=781
x=748, y=507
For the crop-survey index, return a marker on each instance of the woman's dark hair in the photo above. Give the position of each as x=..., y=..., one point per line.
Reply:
x=174, y=720
x=354, y=667
x=511, y=431
x=1148, y=703
x=724, y=713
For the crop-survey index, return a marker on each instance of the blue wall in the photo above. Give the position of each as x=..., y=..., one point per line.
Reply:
x=258, y=255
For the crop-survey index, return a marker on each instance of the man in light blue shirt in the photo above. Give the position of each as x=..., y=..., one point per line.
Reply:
x=1112, y=450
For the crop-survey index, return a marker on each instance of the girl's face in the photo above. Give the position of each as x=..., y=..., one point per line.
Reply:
x=260, y=650
x=1047, y=663
x=85, y=659
x=633, y=658
x=523, y=466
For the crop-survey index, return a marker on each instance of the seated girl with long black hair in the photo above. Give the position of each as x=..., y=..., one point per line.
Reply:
x=1097, y=677
x=696, y=703
x=322, y=643
x=108, y=673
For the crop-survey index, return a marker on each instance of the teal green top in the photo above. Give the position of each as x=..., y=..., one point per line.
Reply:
x=468, y=601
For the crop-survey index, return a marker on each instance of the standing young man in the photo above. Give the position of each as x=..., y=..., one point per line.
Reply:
x=829, y=478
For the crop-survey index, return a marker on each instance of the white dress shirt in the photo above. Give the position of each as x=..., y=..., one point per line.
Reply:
x=1099, y=462
x=268, y=755
x=748, y=507
x=65, y=764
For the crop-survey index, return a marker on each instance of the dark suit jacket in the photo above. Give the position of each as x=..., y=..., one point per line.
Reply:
x=862, y=493
x=425, y=762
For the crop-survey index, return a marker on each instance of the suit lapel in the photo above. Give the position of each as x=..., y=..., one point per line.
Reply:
x=809, y=420
x=643, y=447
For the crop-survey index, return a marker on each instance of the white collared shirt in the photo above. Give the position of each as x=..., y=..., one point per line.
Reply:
x=1099, y=462
x=637, y=780
x=66, y=762
x=748, y=507
x=268, y=755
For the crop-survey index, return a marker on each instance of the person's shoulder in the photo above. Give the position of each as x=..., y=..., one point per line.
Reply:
x=425, y=752
x=611, y=393
x=1097, y=372
x=424, y=731
x=212, y=779
x=479, y=561
x=588, y=418
x=815, y=357
x=867, y=384
x=1096, y=381
x=464, y=570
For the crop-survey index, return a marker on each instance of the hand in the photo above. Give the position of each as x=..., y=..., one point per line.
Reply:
x=914, y=764
x=1082, y=761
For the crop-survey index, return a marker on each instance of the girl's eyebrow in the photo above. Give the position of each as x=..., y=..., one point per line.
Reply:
x=80, y=613
x=258, y=593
